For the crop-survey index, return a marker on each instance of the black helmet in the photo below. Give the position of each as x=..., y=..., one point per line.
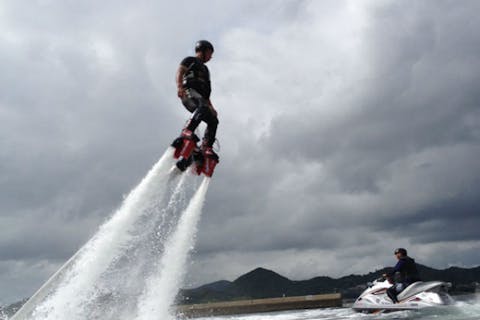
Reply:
x=203, y=45
x=401, y=250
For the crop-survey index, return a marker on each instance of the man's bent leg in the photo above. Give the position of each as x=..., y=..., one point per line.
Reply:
x=392, y=294
x=194, y=121
x=200, y=114
x=204, y=113
x=211, y=131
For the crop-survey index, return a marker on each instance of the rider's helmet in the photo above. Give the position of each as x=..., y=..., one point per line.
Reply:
x=401, y=250
x=203, y=45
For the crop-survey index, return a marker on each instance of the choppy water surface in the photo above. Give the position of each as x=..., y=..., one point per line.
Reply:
x=466, y=309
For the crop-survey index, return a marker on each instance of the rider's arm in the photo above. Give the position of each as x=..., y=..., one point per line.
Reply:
x=210, y=105
x=179, y=79
x=398, y=267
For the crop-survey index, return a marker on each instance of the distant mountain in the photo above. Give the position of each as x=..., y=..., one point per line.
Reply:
x=263, y=283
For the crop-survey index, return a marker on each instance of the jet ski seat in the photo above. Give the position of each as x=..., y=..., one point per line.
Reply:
x=418, y=287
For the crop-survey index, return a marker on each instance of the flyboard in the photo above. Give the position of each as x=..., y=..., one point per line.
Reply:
x=188, y=153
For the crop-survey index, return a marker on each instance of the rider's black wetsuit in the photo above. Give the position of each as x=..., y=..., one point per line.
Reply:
x=196, y=82
x=407, y=274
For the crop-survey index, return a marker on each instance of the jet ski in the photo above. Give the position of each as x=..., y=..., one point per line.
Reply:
x=416, y=296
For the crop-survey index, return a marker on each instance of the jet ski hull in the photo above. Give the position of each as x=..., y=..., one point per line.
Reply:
x=417, y=296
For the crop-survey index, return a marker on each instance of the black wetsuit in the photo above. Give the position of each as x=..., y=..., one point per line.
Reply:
x=407, y=274
x=196, y=83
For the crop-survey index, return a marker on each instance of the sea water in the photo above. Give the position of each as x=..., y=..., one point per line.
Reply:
x=465, y=308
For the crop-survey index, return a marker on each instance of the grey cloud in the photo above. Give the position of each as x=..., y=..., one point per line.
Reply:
x=340, y=125
x=410, y=109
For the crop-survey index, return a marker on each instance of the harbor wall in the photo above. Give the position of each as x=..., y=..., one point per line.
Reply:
x=261, y=305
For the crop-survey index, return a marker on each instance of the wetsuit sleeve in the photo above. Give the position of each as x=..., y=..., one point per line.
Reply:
x=187, y=61
x=398, y=267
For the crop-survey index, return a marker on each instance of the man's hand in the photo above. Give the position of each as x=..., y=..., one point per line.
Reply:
x=179, y=80
x=181, y=92
x=388, y=277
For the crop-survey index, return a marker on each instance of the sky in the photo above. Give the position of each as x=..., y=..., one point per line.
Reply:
x=347, y=129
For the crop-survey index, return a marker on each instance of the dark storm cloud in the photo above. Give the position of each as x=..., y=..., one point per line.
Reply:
x=87, y=105
x=342, y=125
x=420, y=93
x=387, y=153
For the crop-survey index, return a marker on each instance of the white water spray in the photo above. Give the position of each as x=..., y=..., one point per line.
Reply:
x=111, y=276
x=163, y=285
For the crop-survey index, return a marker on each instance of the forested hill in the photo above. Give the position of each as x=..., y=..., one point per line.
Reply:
x=263, y=283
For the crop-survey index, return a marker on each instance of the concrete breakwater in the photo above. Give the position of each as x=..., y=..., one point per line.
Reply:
x=261, y=305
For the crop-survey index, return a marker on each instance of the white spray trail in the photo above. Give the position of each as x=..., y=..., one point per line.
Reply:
x=101, y=250
x=117, y=274
x=163, y=286
x=127, y=279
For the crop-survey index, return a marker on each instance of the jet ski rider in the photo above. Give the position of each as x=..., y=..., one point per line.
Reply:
x=403, y=274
